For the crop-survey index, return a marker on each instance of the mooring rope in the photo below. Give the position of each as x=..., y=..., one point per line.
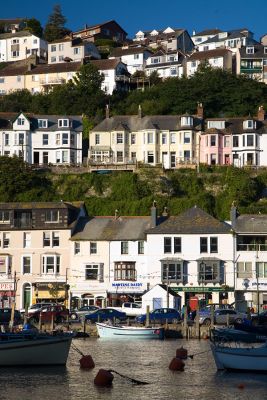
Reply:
x=77, y=349
x=197, y=354
x=135, y=381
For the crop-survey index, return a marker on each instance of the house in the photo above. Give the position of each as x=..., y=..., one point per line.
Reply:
x=21, y=45
x=171, y=140
x=134, y=57
x=108, y=259
x=218, y=58
x=168, y=39
x=161, y=296
x=106, y=30
x=116, y=75
x=166, y=63
x=34, y=260
x=192, y=253
x=71, y=49
x=12, y=24
x=42, y=139
x=203, y=36
x=252, y=61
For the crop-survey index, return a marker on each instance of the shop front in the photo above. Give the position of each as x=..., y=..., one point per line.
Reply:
x=7, y=294
x=121, y=292
x=57, y=292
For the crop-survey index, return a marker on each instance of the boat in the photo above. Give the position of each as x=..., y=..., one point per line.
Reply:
x=27, y=348
x=251, y=328
x=240, y=358
x=236, y=335
x=113, y=331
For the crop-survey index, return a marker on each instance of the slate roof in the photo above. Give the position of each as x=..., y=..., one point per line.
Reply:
x=192, y=221
x=111, y=228
x=134, y=123
x=119, y=51
x=41, y=205
x=16, y=34
x=207, y=32
x=251, y=223
x=90, y=27
x=235, y=125
x=258, y=52
x=202, y=55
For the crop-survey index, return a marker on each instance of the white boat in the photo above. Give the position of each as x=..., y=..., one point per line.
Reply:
x=25, y=349
x=112, y=331
x=240, y=358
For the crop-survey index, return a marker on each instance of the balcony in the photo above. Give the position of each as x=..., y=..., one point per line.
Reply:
x=251, y=247
x=250, y=70
x=22, y=223
x=52, y=81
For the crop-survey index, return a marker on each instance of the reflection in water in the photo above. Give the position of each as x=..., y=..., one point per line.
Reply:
x=143, y=360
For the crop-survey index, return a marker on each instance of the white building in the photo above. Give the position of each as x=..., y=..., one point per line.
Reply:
x=42, y=139
x=166, y=64
x=219, y=58
x=135, y=57
x=71, y=49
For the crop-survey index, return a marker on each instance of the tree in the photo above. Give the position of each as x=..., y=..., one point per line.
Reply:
x=55, y=28
x=34, y=26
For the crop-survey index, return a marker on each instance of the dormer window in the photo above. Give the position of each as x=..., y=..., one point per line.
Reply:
x=265, y=50
x=216, y=124
x=21, y=121
x=42, y=123
x=250, y=50
x=64, y=123
x=186, y=121
x=249, y=124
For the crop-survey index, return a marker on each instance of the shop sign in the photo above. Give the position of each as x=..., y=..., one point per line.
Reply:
x=6, y=286
x=200, y=289
x=127, y=286
x=262, y=285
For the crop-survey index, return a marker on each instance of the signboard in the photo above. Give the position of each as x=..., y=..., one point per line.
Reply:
x=129, y=287
x=6, y=286
x=200, y=289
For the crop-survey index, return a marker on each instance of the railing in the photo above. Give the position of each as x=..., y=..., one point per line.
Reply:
x=52, y=81
x=19, y=223
x=251, y=247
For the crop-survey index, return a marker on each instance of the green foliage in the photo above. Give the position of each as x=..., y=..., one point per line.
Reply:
x=55, y=29
x=34, y=26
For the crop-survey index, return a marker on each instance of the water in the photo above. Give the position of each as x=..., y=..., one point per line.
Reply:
x=143, y=360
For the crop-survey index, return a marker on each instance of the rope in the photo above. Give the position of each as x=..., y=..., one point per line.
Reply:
x=197, y=354
x=77, y=349
x=135, y=381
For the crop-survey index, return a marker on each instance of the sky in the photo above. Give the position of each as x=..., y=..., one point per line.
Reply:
x=132, y=16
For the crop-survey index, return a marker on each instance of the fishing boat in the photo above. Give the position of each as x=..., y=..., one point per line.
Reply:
x=113, y=331
x=240, y=358
x=34, y=348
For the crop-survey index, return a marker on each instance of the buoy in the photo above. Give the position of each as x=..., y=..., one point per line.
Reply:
x=241, y=386
x=176, y=364
x=86, y=362
x=181, y=353
x=103, y=378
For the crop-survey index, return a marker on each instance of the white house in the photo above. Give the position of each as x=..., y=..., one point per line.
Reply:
x=135, y=57
x=71, y=49
x=116, y=75
x=42, y=139
x=166, y=63
x=231, y=40
x=217, y=58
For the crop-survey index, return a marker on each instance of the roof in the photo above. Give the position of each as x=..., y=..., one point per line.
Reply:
x=11, y=20
x=19, y=68
x=16, y=34
x=258, y=51
x=111, y=228
x=99, y=25
x=106, y=64
x=192, y=221
x=235, y=125
x=251, y=223
x=40, y=205
x=207, y=32
x=202, y=55
x=120, y=51
x=134, y=123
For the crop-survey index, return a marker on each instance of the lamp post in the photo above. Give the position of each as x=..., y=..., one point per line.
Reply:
x=202, y=266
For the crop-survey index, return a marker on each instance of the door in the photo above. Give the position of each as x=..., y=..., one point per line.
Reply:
x=157, y=303
x=36, y=157
x=165, y=160
x=45, y=157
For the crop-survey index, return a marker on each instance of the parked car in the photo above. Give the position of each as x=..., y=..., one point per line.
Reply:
x=161, y=315
x=220, y=316
x=260, y=319
x=37, y=306
x=59, y=312
x=104, y=314
x=81, y=312
x=5, y=316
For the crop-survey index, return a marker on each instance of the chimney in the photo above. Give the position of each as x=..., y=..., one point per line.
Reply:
x=139, y=111
x=233, y=215
x=107, y=111
x=153, y=222
x=261, y=113
x=200, y=110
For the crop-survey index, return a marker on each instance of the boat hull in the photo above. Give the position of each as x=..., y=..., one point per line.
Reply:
x=35, y=351
x=115, y=332
x=241, y=359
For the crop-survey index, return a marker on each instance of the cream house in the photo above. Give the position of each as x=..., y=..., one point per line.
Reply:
x=71, y=49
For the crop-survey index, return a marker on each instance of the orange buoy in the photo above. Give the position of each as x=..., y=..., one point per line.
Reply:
x=86, y=362
x=241, y=386
x=103, y=378
x=176, y=364
x=181, y=353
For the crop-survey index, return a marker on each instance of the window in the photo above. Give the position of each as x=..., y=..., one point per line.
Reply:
x=119, y=156
x=173, y=138
x=42, y=123
x=244, y=269
x=261, y=269
x=21, y=121
x=61, y=47
x=26, y=240
x=150, y=138
x=91, y=272
x=21, y=139
x=187, y=137
x=163, y=138
x=6, y=139
x=65, y=138
x=3, y=264
x=2, y=80
x=203, y=245
x=76, y=50
x=136, y=56
x=124, y=247
x=53, y=48
x=141, y=247
x=250, y=50
x=150, y=157
x=4, y=217
x=58, y=138
x=119, y=138
x=77, y=247
x=173, y=71
x=226, y=141
x=172, y=272
x=93, y=248
x=61, y=58
x=51, y=216
x=167, y=245
x=133, y=156
x=213, y=140
x=26, y=264
x=51, y=264
x=46, y=239
x=177, y=245
x=6, y=240
x=97, y=138
x=45, y=139
x=63, y=123
x=186, y=121
x=124, y=271
x=235, y=141
x=193, y=64
x=250, y=140
x=15, y=53
x=209, y=271
x=55, y=239
x=133, y=138
x=65, y=156
x=35, y=78
x=248, y=124
x=214, y=245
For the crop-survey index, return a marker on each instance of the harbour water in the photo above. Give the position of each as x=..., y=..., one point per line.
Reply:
x=143, y=360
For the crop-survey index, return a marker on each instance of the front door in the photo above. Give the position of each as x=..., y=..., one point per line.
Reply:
x=165, y=160
x=157, y=303
x=36, y=157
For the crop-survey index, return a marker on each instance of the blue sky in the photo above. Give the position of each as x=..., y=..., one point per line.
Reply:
x=149, y=14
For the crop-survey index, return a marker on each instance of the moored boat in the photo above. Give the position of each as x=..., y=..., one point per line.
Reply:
x=111, y=331
x=236, y=335
x=33, y=348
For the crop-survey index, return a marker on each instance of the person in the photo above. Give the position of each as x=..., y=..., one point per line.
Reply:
x=252, y=311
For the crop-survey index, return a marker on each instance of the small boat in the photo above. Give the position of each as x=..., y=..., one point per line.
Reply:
x=240, y=358
x=34, y=348
x=113, y=331
x=251, y=328
x=237, y=335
